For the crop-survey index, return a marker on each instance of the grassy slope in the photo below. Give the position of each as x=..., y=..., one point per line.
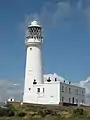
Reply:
x=38, y=112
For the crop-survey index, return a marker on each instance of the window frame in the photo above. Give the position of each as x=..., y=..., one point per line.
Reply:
x=69, y=100
x=30, y=48
x=38, y=90
x=29, y=89
x=43, y=90
x=62, y=99
x=62, y=88
x=69, y=90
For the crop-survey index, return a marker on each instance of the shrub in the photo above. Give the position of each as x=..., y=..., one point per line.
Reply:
x=45, y=112
x=10, y=113
x=21, y=114
x=6, y=112
x=2, y=112
x=78, y=112
x=42, y=113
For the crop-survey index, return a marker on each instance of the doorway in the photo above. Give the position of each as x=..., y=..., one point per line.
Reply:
x=73, y=100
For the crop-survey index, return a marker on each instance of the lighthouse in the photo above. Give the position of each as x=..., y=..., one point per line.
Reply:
x=33, y=71
x=50, y=89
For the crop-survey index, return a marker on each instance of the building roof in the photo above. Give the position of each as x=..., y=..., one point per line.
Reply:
x=34, y=23
x=60, y=79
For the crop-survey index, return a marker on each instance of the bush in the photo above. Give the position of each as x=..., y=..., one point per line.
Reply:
x=21, y=114
x=6, y=112
x=2, y=112
x=47, y=112
x=43, y=113
x=10, y=113
x=51, y=112
x=78, y=112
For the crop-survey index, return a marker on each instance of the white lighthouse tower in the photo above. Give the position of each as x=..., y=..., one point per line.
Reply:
x=33, y=73
x=51, y=89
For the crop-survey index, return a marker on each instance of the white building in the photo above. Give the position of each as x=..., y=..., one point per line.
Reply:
x=50, y=89
x=10, y=100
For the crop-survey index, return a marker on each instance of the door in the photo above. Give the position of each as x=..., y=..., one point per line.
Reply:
x=73, y=100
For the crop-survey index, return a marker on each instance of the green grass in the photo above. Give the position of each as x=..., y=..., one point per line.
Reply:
x=41, y=112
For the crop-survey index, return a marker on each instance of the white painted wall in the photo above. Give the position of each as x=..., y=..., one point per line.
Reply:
x=51, y=94
x=65, y=93
x=33, y=65
x=11, y=100
x=33, y=58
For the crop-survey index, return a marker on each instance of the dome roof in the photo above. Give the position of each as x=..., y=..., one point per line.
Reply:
x=34, y=23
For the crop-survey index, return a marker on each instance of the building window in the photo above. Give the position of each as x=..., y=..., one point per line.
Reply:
x=30, y=48
x=62, y=88
x=66, y=89
x=62, y=99
x=82, y=93
x=55, y=79
x=82, y=101
x=69, y=82
x=43, y=90
x=51, y=96
x=69, y=100
x=73, y=100
x=29, y=89
x=76, y=91
x=76, y=101
x=69, y=90
x=38, y=90
x=49, y=80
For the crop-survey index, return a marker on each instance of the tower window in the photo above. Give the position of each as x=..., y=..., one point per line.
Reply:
x=30, y=48
x=38, y=90
x=34, y=82
x=29, y=89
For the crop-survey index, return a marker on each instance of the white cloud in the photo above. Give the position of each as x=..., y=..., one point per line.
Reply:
x=49, y=15
x=10, y=89
x=53, y=13
x=62, y=12
x=86, y=84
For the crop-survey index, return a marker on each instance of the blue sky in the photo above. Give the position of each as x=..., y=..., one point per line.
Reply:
x=66, y=48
